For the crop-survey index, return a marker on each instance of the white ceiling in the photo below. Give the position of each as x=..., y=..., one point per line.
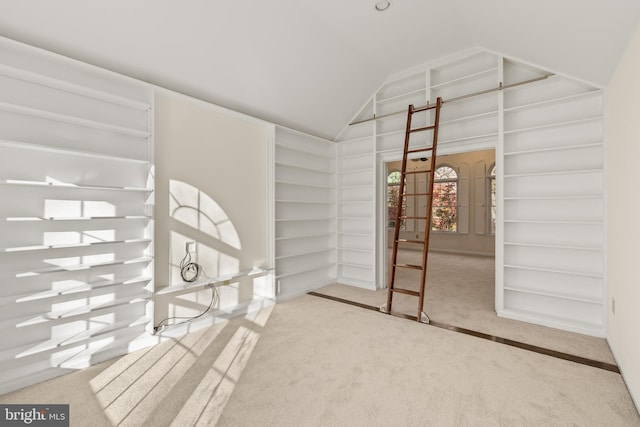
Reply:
x=311, y=64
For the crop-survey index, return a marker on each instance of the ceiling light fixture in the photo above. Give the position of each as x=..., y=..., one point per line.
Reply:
x=383, y=5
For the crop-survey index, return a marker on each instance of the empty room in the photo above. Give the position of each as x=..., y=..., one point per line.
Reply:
x=296, y=213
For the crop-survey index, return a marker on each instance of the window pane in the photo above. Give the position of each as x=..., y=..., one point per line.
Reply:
x=445, y=200
x=393, y=192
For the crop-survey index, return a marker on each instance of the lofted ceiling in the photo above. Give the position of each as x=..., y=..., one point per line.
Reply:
x=311, y=64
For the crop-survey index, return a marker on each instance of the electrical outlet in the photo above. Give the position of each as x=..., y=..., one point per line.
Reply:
x=190, y=247
x=613, y=306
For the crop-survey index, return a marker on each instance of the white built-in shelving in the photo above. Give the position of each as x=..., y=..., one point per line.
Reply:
x=356, y=217
x=552, y=183
x=549, y=139
x=305, y=223
x=76, y=147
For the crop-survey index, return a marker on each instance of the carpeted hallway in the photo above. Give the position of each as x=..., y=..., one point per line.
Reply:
x=314, y=362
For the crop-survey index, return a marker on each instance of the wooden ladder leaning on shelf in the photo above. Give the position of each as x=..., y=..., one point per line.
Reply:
x=400, y=216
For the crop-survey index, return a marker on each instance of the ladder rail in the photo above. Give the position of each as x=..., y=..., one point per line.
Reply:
x=396, y=232
x=429, y=212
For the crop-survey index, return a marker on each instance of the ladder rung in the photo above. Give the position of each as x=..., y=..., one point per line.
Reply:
x=412, y=217
x=414, y=267
x=422, y=129
x=419, y=150
x=406, y=291
x=412, y=172
x=420, y=242
x=425, y=108
x=416, y=194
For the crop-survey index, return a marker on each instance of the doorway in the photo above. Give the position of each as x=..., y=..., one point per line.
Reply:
x=461, y=263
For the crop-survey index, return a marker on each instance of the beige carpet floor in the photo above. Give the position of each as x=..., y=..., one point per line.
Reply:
x=314, y=362
x=460, y=291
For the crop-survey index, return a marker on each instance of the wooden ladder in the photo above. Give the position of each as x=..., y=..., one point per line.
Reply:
x=400, y=216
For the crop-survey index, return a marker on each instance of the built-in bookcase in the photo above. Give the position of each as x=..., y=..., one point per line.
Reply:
x=305, y=217
x=76, y=146
x=356, y=214
x=553, y=202
x=550, y=179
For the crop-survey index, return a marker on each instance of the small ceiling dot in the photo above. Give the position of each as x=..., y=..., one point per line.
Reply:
x=383, y=5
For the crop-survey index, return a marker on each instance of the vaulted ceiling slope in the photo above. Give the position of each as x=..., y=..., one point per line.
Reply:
x=311, y=64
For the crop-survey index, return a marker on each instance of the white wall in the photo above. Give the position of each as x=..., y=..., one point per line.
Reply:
x=623, y=205
x=211, y=188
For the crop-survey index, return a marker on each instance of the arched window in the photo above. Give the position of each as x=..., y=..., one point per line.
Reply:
x=393, y=193
x=445, y=200
x=492, y=199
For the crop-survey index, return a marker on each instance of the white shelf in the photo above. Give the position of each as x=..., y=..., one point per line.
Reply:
x=355, y=171
x=299, y=254
x=71, y=186
x=65, y=86
x=552, y=149
x=80, y=311
x=80, y=218
x=304, y=219
x=552, y=246
x=80, y=267
x=27, y=111
x=469, y=138
x=355, y=202
x=554, y=125
x=222, y=280
x=305, y=270
x=305, y=236
x=76, y=337
x=552, y=173
x=355, y=156
x=393, y=132
x=356, y=265
x=306, y=168
x=540, y=221
x=352, y=218
x=303, y=202
x=471, y=117
x=299, y=184
x=360, y=138
x=568, y=297
x=566, y=197
x=74, y=289
x=73, y=245
x=346, y=233
x=401, y=95
x=549, y=270
x=553, y=101
x=302, y=150
x=66, y=151
x=466, y=77
x=354, y=187
x=364, y=251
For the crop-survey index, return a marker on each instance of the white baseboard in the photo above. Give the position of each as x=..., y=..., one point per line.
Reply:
x=308, y=288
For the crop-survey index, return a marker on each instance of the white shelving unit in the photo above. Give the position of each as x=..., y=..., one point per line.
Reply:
x=356, y=214
x=553, y=204
x=305, y=223
x=76, y=152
